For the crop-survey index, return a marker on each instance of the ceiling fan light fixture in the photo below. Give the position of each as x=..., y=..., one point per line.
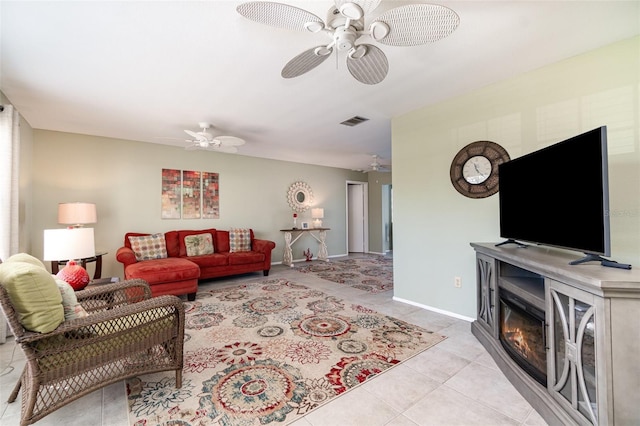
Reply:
x=314, y=26
x=351, y=11
x=358, y=52
x=379, y=30
x=323, y=51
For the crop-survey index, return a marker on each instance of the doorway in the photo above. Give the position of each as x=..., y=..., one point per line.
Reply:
x=357, y=217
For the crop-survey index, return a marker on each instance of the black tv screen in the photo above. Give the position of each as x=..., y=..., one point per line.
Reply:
x=559, y=195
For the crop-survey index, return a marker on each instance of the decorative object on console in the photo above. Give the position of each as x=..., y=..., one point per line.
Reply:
x=407, y=25
x=474, y=169
x=70, y=244
x=317, y=215
x=299, y=196
x=295, y=219
x=77, y=214
x=308, y=255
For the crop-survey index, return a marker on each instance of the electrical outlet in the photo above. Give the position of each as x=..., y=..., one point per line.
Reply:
x=457, y=282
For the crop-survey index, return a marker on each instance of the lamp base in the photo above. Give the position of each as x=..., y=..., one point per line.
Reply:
x=75, y=275
x=317, y=223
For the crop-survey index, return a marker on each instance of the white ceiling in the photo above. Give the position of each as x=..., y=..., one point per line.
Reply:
x=143, y=70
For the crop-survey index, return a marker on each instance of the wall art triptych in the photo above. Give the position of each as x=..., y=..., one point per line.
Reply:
x=188, y=194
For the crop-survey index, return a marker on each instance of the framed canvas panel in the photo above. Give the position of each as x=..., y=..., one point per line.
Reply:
x=191, y=194
x=210, y=195
x=171, y=194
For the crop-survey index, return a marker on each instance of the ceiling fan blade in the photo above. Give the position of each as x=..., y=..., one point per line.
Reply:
x=367, y=6
x=220, y=148
x=228, y=141
x=304, y=62
x=279, y=15
x=370, y=68
x=199, y=136
x=416, y=24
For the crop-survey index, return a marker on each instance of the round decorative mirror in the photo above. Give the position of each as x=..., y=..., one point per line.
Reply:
x=299, y=196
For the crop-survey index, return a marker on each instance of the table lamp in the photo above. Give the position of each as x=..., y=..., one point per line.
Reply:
x=77, y=214
x=70, y=244
x=317, y=215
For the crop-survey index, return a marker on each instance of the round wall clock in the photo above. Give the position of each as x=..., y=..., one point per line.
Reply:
x=474, y=169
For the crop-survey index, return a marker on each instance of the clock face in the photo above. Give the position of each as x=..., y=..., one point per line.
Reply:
x=474, y=169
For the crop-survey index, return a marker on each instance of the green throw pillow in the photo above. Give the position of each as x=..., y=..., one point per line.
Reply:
x=34, y=295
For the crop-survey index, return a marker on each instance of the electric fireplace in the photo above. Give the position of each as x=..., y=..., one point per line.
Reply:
x=522, y=334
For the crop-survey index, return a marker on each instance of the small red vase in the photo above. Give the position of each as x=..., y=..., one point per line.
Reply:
x=75, y=275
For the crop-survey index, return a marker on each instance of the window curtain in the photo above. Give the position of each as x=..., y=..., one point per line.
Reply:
x=9, y=174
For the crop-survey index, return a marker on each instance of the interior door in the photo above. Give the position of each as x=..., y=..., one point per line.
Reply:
x=356, y=217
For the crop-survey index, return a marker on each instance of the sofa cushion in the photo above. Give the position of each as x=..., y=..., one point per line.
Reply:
x=239, y=240
x=246, y=257
x=185, y=233
x=72, y=309
x=149, y=246
x=172, y=239
x=211, y=260
x=163, y=270
x=199, y=244
x=34, y=295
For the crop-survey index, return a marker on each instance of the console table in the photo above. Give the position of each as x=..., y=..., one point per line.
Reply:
x=292, y=235
x=592, y=330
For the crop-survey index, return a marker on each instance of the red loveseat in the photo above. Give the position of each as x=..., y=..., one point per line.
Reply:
x=173, y=271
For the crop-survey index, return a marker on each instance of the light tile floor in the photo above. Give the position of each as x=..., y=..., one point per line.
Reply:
x=453, y=383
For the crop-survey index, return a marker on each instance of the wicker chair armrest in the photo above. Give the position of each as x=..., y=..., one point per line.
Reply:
x=88, y=325
x=109, y=296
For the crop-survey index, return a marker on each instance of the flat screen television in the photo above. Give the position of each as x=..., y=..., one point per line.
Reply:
x=559, y=196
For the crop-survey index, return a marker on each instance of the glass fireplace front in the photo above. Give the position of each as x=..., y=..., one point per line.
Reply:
x=522, y=334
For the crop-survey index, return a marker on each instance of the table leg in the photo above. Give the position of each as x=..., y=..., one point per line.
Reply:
x=98, y=271
x=288, y=253
x=323, y=253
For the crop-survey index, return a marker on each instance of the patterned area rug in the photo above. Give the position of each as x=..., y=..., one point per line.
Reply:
x=371, y=273
x=269, y=352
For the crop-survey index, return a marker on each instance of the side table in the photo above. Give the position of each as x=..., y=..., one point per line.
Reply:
x=289, y=241
x=55, y=264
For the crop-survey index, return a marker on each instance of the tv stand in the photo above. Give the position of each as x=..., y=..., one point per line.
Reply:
x=512, y=241
x=590, y=257
x=591, y=317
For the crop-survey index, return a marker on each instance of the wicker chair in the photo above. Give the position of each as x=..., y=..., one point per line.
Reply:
x=126, y=333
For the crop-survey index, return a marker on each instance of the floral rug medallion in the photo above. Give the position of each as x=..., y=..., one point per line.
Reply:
x=269, y=352
x=373, y=273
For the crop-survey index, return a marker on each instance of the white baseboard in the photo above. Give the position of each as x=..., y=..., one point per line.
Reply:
x=431, y=308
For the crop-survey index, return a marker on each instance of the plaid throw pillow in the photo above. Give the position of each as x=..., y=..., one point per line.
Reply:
x=198, y=244
x=149, y=247
x=239, y=240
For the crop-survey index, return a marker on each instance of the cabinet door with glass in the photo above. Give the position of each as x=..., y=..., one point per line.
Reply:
x=486, y=274
x=576, y=359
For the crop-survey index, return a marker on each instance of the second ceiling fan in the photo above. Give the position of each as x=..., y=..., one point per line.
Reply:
x=407, y=25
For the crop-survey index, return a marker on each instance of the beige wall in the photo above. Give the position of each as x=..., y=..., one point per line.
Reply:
x=433, y=224
x=123, y=178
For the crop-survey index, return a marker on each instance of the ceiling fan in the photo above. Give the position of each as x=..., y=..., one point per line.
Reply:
x=205, y=140
x=376, y=165
x=407, y=25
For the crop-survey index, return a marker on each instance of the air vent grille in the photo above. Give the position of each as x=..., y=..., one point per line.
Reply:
x=354, y=121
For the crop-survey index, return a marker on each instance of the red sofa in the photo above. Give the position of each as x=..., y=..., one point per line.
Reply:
x=179, y=273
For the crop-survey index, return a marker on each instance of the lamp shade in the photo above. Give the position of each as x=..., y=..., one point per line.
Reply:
x=77, y=213
x=317, y=213
x=68, y=244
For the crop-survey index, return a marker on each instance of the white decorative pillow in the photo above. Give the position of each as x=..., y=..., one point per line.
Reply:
x=148, y=247
x=199, y=244
x=239, y=240
x=72, y=309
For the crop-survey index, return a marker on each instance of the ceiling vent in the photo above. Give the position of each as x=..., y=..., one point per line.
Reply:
x=354, y=121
